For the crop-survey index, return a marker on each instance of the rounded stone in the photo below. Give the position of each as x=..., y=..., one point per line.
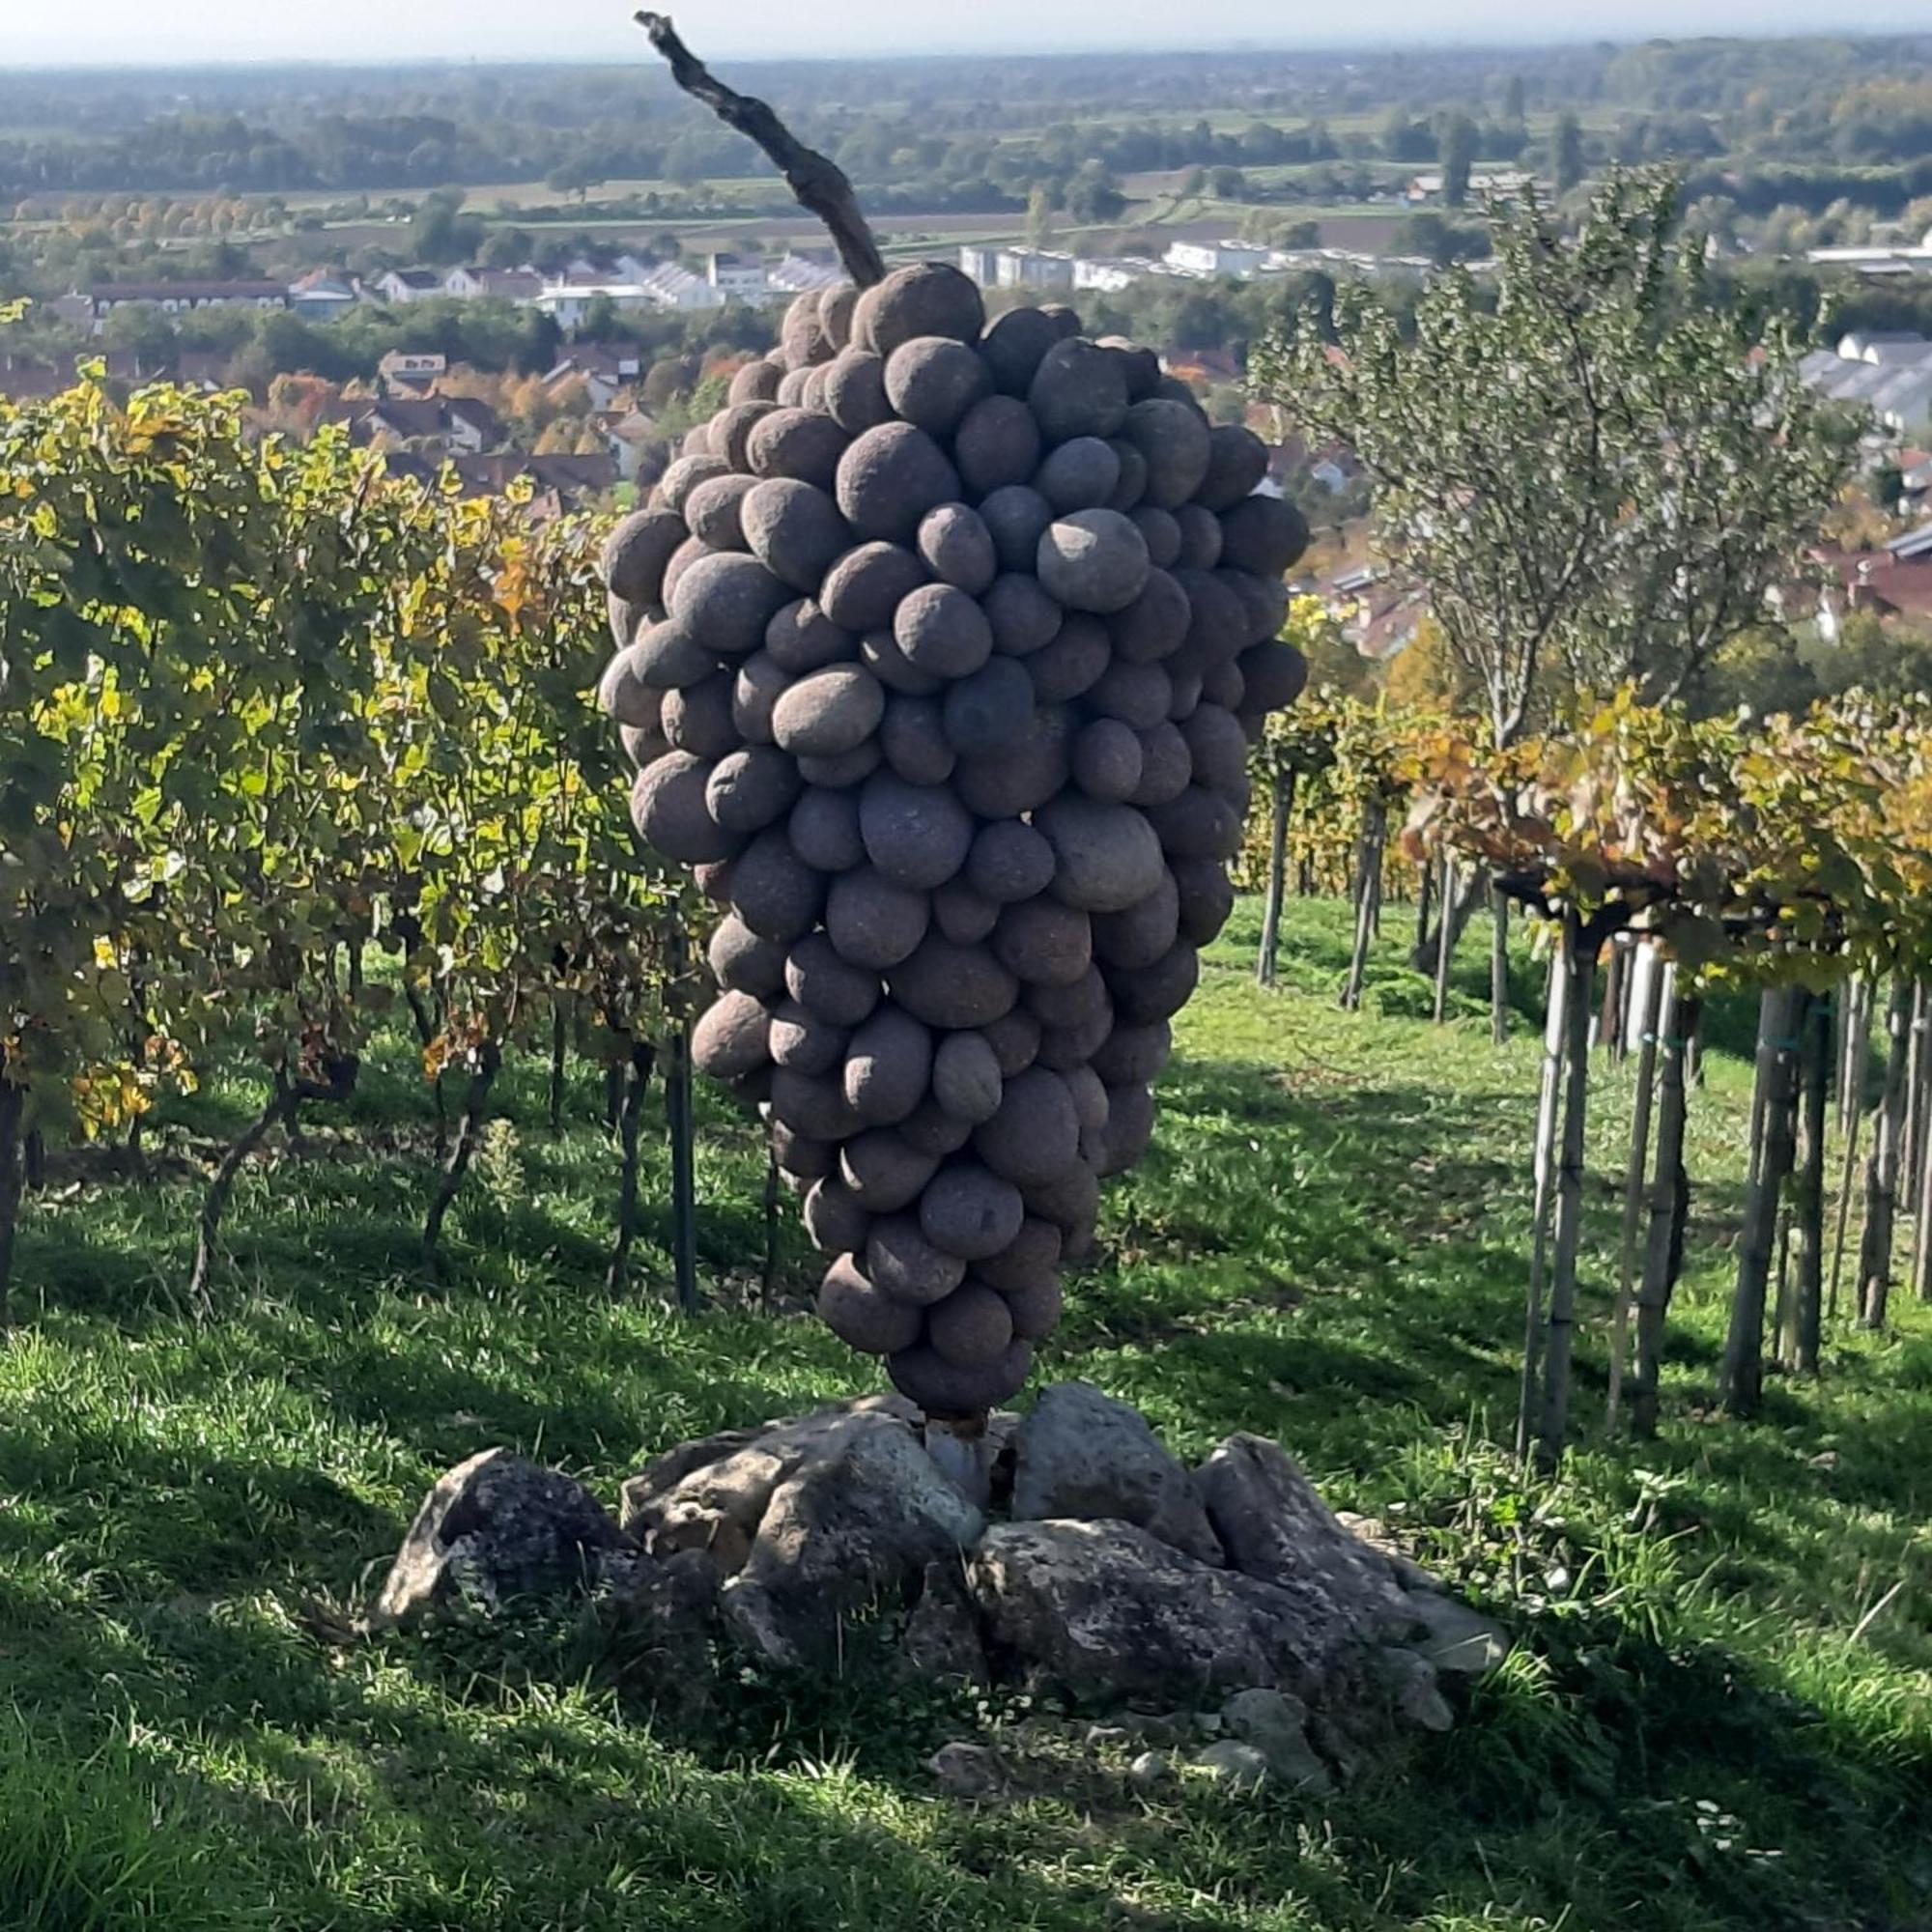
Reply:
x=957, y=548
x=1224, y=685
x=1273, y=675
x=731, y=429
x=1129, y=1128
x=942, y=631
x=801, y=1159
x=824, y=828
x=863, y=1317
x=1071, y=661
x=668, y=812
x=642, y=745
x=952, y=986
x=1107, y=761
x=1199, y=824
x=728, y=600
x=1105, y=857
x=969, y=1211
x=996, y=443
x=624, y=697
x=1160, y=533
x=1069, y=1200
x=632, y=562
x=1137, y=935
x=873, y=923
x=1035, y=1136
x=757, y=382
x=801, y=638
x=744, y=960
x=668, y=656
x=916, y=836
x=730, y=1036
x=1206, y=897
x=833, y=1217
x=797, y=443
x=1131, y=487
x=1174, y=443
x=1021, y=776
x=748, y=789
x=1140, y=365
x=922, y=298
x=879, y=652
x=1034, y=1307
x=1155, y=625
x=914, y=744
x=854, y=391
x=1015, y=1039
x=1264, y=601
x=1078, y=475
x=1017, y=516
x=1078, y=389
x=792, y=387
x=1166, y=765
x=932, y=1130
x=757, y=686
x=803, y=1041
x=961, y=915
x=829, y=712
x=1032, y=1255
x=1219, y=750
x=888, y=1067
x=900, y=1262
x=698, y=716
x=1093, y=560
x=933, y=379
x=676, y=485
x=984, y=713
x=1020, y=614
x=1144, y=994
x=966, y=1078
x=812, y=1104
x=1133, y=1055
x=626, y=620
x=715, y=511
x=971, y=1328
x=1217, y=628
x=863, y=589
x=1264, y=534
x=692, y=550
x=1044, y=942
x=835, y=312
x=773, y=891
x=1009, y=861
x=883, y=1173
x=794, y=530
x=923, y=1376
x=1236, y=462
x=1014, y=345
x=890, y=478
x=695, y=441
x=843, y=768
x=827, y=984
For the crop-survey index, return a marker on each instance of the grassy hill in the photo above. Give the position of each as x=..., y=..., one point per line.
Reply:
x=1721, y=1716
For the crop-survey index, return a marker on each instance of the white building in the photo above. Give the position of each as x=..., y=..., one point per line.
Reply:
x=408, y=285
x=1881, y=261
x=1499, y=184
x=793, y=274
x=737, y=278
x=1886, y=371
x=570, y=301
x=521, y=286
x=982, y=263
x=1216, y=257
x=1033, y=268
x=1110, y=274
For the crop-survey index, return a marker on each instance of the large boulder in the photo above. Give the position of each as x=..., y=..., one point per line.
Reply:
x=1082, y=1454
x=494, y=1528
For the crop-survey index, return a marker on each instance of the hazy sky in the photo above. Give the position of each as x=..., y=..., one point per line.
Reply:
x=198, y=31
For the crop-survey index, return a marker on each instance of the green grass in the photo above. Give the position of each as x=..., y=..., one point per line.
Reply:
x=1326, y=1244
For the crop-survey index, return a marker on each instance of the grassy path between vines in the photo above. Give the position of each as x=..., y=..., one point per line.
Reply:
x=1709, y=1726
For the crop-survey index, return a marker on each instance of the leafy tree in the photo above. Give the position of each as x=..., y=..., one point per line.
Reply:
x=1458, y=148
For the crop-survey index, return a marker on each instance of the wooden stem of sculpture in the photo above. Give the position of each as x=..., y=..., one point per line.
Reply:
x=819, y=184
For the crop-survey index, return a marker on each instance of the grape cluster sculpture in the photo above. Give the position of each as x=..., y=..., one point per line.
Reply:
x=940, y=651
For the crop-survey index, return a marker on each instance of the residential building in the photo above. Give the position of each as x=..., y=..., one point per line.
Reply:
x=1497, y=185
x=570, y=301
x=796, y=275
x=1216, y=257
x=605, y=369
x=404, y=372
x=174, y=297
x=436, y=425
x=736, y=277
x=522, y=286
x=408, y=285
x=320, y=297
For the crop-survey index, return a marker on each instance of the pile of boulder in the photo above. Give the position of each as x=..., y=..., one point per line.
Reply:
x=1101, y=1570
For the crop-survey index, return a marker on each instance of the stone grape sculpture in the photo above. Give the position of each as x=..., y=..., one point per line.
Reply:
x=940, y=651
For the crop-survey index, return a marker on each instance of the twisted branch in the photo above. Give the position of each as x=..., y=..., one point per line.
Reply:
x=819, y=184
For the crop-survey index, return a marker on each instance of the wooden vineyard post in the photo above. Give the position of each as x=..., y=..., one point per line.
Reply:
x=1543, y=1170
x=1653, y=997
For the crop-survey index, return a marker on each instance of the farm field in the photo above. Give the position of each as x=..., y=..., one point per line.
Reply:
x=1719, y=1715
